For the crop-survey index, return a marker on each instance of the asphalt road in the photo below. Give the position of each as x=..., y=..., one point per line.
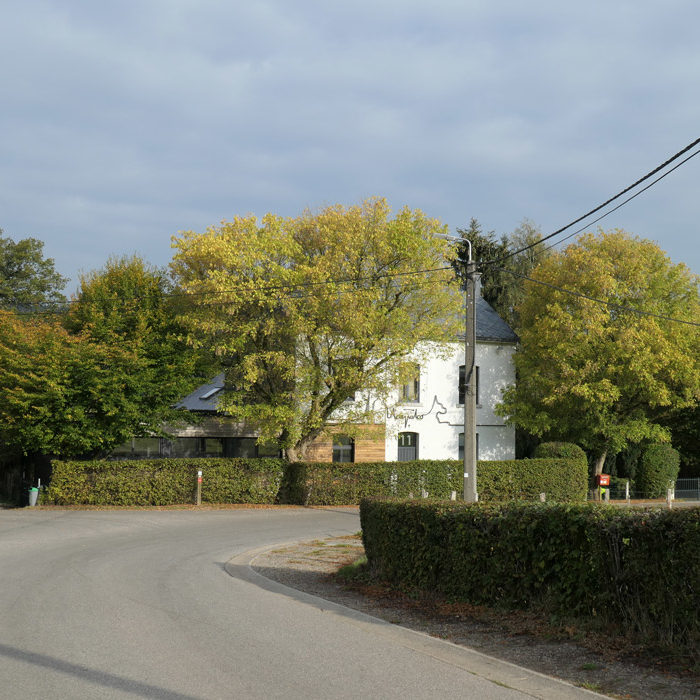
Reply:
x=163, y=604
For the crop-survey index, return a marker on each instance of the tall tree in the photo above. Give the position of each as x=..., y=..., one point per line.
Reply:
x=26, y=276
x=501, y=265
x=307, y=311
x=61, y=395
x=597, y=374
x=131, y=304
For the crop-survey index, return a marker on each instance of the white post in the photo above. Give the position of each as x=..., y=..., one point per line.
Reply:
x=669, y=498
x=199, y=487
x=627, y=491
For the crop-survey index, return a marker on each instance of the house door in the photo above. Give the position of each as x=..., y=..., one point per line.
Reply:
x=408, y=447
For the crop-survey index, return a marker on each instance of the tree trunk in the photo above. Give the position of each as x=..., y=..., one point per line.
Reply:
x=598, y=469
x=297, y=453
x=600, y=462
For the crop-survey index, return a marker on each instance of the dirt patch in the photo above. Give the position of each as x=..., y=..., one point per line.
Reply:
x=585, y=659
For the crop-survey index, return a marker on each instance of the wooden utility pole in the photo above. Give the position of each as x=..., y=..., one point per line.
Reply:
x=471, y=494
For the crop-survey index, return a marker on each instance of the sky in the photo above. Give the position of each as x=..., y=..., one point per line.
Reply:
x=123, y=123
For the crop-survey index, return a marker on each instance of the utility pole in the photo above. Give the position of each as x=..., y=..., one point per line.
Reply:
x=471, y=494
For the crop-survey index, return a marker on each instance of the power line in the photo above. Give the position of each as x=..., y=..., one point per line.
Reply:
x=267, y=288
x=622, y=204
x=604, y=204
x=612, y=305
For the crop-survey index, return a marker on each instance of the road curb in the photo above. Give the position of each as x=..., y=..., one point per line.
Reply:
x=504, y=673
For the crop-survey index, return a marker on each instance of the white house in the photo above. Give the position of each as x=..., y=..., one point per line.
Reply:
x=426, y=423
x=429, y=422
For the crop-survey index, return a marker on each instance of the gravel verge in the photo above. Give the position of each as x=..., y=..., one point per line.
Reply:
x=525, y=640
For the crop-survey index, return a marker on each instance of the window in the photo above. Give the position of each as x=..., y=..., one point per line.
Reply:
x=248, y=448
x=408, y=447
x=410, y=389
x=138, y=448
x=267, y=449
x=462, y=388
x=211, y=447
x=239, y=447
x=460, y=449
x=343, y=449
x=185, y=447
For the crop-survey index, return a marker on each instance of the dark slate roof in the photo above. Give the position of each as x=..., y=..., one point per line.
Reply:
x=490, y=326
x=204, y=397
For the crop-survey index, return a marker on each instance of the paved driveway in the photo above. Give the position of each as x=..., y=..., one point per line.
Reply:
x=161, y=604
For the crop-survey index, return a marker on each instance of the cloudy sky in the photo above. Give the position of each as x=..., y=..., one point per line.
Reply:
x=122, y=123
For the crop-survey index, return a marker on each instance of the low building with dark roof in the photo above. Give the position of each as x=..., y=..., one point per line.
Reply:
x=426, y=422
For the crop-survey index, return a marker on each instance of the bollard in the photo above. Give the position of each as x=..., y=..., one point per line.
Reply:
x=669, y=498
x=199, y=487
x=627, y=491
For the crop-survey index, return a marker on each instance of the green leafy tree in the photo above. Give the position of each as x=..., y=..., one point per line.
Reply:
x=133, y=305
x=61, y=395
x=502, y=283
x=26, y=276
x=307, y=311
x=595, y=374
x=684, y=425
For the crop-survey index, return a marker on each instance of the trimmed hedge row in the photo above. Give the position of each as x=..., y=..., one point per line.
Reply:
x=322, y=483
x=237, y=480
x=164, y=481
x=633, y=568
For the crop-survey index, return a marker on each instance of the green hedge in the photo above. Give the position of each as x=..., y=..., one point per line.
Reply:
x=568, y=450
x=636, y=569
x=525, y=479
x=164, y=481
x=322, y=483
x=172, y=481
x=657, y=470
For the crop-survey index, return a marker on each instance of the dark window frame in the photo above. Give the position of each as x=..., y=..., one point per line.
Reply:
x=460, y=447
x=461, y=388
x=343, y=446
x=408, y=452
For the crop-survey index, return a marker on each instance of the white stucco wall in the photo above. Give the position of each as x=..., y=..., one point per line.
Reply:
x=438, y=418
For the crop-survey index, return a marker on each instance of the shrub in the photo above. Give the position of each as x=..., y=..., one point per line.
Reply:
x=567, y=450
x=328, y=483
x=172, y=481
x=164, y=481
x=561, y=479
x=657, y=470
x=323, y=483
x=634, y=568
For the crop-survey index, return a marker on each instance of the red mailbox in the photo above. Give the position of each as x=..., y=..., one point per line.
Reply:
x=603, y=480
